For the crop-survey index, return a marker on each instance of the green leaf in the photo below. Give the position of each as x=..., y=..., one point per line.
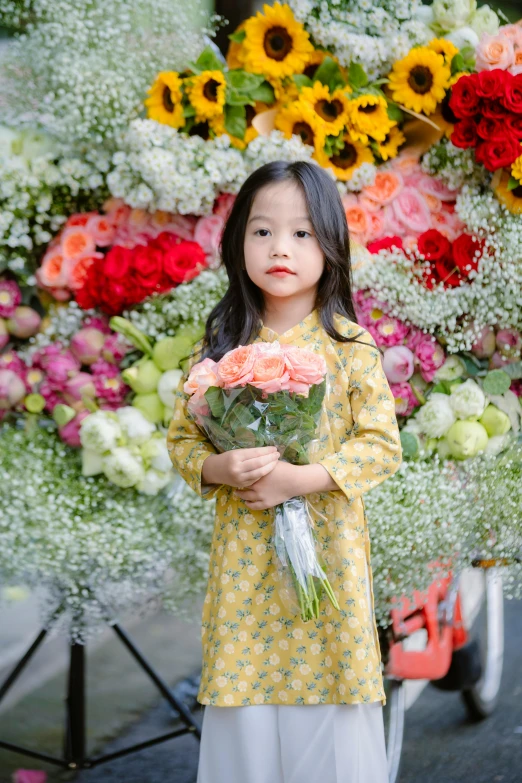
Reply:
x=513, y=183
x=442, y=387
x=394, y=113
x=514, y=370
x=235, y=98
x=496, y=382
x=457, y=63
x=329, y=74
x=357, y=76
x=189, y=111
x=235, y=121
x=214, y=397
x=207, y=61
x=238, y=37
x=264, y=93
x=410, y=444
x=243, y=81
x=301, y=80
x=471, y=368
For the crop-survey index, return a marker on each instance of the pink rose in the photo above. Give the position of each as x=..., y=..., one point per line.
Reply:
x=391, y=331
x=411, y=210
x=183, y=226
x=405, y=399
x=224, y=204
x=236, y=368
x=208, y=234
x=304, y=366
x=498, y=361
x=270, y=373
x=398, y=364
x=202, y=375
x=430, y=356
x=494, y=51
x=102, y=230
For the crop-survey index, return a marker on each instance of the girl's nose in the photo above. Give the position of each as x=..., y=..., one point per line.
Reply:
x=279, y=249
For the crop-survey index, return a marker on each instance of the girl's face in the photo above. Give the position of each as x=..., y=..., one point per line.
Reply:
x=279, y=234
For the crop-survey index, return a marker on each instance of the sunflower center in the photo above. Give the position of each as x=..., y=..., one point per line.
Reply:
x=210, y=90
x=328, y=110
x=517, y=191
x=306, y=133
x=200, y=129
x=168, y=103
x=368, y=109
x=420, y=79
x=310, y=70
x=445, y=109
x=346, y=158
x=277, y=43
x=250, y=114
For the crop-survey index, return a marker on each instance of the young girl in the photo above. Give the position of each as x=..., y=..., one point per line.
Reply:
x=291, y=701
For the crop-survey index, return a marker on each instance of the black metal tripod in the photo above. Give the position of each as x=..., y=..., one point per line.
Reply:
x=75, y=718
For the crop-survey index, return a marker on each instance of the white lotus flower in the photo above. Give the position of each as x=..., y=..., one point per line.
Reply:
x=136, y=428
x=155, y=451
x=167, y=385
x=467, y=400
x=92, y=462
x=100, y=431
x=436, y=416
x=123, y=468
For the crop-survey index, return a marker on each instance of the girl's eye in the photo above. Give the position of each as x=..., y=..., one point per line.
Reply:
x=302, y=234
x=262, y=232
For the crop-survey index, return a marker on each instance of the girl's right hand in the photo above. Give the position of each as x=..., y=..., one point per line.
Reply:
x=239, y=467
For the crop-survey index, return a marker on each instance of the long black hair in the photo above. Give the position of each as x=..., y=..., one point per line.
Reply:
x=236, y=319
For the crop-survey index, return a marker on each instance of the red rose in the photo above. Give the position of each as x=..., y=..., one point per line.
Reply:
x=147, y=268
x=118, y=262
x=448, y=273
x=498, y=154
x=433, y=245
x=514, y=125
x=386, y=243
x=165, y=240
x=183, y=262
x=491, y=84
x=466, y=253
x=494, y=109
x=88, y=296
x=464, y=101
x=512, y=98
x=464, y=134
x=491, y=130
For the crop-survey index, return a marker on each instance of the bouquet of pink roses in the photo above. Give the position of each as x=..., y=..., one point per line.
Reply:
x=267, y=394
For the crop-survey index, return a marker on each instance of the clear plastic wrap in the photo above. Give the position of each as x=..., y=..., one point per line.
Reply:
x=247, y=417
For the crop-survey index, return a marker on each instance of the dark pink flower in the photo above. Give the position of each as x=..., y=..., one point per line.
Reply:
x=10, y=298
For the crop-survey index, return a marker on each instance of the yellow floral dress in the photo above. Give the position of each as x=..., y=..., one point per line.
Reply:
x=254, y=653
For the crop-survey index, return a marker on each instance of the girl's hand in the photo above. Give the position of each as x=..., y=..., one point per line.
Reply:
x=239, y=467
x=270, y=490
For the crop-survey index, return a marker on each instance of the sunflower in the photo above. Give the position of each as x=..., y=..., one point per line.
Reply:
x=332, y=109
x=444, y=47
x=164, y=103
x=217, y=125
x=285, y=91
x=299, y=119
x=516, y=169
x=389, y=147
x=206, y=92
x=511, y=199
x=235, y=51
x=275, y=44
x=344, y=162
x=369, y=117
x=419, y=81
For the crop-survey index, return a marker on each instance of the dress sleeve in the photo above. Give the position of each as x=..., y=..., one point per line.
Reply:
x=373, y=449
x=188, y=447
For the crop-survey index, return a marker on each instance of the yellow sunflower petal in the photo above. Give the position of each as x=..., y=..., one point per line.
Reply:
x=206, y=92
x=275, y=45
x=332, y=110
x=164, y=101
x=345, y=162
x=389, y=147
x=444, y=47
x=235, y=52
x=419, y=81
x=516, y=169
x=511, y=199
x=299, y=119
x=369, y=118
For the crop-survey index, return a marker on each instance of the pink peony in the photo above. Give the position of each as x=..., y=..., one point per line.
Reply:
x=391, y=331
x=430, y=356
x=10, y=297
x=202, y=375
x=236, y=368
x=70, y=432
x=405, y=399
x=82, y=384
x=208, y=234
x=304, y=366
x=60, y=368
x=410, y=209
x=12, y=389
x=398, y=364
x=87, y=345
x=24, y=322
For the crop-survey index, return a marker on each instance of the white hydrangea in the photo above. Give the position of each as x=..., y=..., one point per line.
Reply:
x=123, y=468
x=135, y=427
x=100, y=431
x=436, y=416
x=467, y=400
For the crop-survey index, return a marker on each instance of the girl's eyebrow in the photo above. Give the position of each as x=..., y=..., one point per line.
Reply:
x=266, y=217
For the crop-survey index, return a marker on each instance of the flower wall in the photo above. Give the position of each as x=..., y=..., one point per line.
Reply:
x=116, y=177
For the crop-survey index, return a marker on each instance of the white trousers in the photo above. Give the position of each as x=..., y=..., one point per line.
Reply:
x=276, y=743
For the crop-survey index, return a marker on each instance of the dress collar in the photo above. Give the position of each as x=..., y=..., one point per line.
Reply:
x=306, y=325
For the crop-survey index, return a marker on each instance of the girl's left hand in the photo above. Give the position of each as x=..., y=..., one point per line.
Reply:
x=270, y=490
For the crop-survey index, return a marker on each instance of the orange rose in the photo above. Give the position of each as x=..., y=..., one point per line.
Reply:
x=236, y=368
x=385, y=188
x=270, y=373
x=202, y=375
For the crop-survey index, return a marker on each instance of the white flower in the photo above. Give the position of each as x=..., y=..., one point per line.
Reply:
x=167, y=385
x=450, y=14
x=436, y=416
x=156, y=452
x=92, y=462
x=100, y=431
x=452, y=368
x=134, y=425
x=464, y=36
x=153, y=481
x=123, y=468
x=467, y=400
x=484, y=20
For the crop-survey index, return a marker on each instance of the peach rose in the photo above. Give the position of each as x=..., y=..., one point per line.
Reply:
x=494, y=51
x=208, y=234
x=304, y=366
x=236, y=368
x=201, y=376
x=102, y=229
x=386, y=187
x=270, y=373
x=357, y=220
x=77, y=242
x=52, y=272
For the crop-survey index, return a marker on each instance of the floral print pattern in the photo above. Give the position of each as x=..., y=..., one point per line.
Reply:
x=253, y=652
